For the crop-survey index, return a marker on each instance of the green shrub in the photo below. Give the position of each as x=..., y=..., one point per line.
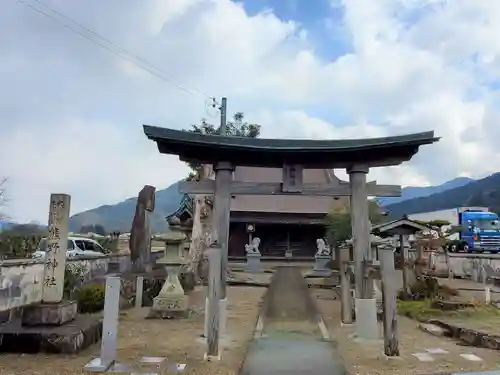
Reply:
x=90, y=298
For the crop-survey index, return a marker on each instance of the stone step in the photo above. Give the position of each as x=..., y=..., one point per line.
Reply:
x=432, y=329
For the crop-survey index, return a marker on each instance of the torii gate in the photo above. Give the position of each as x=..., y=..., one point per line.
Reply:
x=293, y=156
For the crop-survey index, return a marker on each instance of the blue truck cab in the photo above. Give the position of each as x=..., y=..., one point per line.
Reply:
x=480, y=231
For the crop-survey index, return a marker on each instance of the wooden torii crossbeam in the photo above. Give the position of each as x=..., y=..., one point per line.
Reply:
x=276, y=188
x=292, y=185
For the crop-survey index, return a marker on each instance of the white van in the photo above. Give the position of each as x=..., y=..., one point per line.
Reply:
x=77, y=246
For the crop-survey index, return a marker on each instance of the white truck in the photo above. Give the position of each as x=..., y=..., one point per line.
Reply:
x=479, y=232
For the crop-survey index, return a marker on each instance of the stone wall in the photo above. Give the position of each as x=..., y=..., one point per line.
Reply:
x=21, y=279
x=476, y=267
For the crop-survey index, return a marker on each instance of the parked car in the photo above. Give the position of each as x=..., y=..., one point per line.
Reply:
x=77, y=246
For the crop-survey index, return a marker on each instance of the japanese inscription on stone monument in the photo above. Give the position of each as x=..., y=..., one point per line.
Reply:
x=56, y=246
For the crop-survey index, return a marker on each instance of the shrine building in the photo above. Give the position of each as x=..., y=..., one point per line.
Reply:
x=286, y=225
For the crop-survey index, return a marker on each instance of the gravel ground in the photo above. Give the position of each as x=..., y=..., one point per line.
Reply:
x=178, y=340
x=369, y=359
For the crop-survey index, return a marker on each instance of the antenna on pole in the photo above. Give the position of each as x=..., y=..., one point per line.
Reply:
x=223, y=113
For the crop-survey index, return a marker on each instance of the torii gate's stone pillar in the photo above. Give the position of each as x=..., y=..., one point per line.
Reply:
x=221, y=216
x=365, y=303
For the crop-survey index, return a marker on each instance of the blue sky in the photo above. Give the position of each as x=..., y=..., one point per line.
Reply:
x=324, y=23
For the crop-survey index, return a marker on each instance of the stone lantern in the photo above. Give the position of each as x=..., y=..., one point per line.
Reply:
x=171, y=302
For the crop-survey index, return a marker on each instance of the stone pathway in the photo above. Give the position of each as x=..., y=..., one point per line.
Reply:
x=273, y=356
x=291, y=341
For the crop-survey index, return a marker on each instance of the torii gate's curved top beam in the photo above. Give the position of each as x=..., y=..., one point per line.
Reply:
x=261, y=152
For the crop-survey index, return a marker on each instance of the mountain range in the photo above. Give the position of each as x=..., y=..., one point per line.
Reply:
x=484, y=193
x=411, y=192
x=119, y=216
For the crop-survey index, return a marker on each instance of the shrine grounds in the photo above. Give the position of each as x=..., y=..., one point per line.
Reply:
x=179, y=340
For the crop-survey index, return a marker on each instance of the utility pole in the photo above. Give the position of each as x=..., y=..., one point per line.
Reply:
x=223, y=117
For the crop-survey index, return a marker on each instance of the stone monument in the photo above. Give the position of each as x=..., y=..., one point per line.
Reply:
x=53, y=310
x=53, y=324
x=140, y=234
x=253, y=256
x=322, y=257
x=172, y=302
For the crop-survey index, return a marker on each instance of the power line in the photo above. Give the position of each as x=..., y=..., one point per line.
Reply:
x=122, y=52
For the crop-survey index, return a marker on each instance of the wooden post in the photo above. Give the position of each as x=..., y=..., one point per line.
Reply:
x=214, y=290
x=221, y=215
x=139, y=287
x=222, y=207
x=360, y=229
x=109, y=327
x=387, y=271
x=404, y=258
x=345, y=292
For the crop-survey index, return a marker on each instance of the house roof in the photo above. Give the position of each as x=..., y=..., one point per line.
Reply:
x=185, y=208
x=284, y=203
x=391, y=228
x=261, y=152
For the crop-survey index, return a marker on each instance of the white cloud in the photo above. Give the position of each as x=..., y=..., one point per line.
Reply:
x=72, y=112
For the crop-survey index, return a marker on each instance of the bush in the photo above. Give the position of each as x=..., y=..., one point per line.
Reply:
x=427, y=288
x=74, y=276
x=90, y=298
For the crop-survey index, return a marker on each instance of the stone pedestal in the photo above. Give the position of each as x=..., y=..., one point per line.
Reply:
x=52, y=325
x=171, y=302
x=50, y=328
x=320, y=265
x=366, y=319
x=253, y=263
x=53, y=314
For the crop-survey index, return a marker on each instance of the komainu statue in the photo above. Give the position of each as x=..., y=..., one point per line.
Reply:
x=140, y=234
x=323, y=248
x=253, y=248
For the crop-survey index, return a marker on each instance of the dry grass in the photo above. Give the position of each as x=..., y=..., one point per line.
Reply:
x=178, y=340
x=369, y=359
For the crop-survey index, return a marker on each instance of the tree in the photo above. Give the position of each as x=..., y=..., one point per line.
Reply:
x=339, y=223
x=93, y=228
x=99, y=229
x=440, y=241
x=339, y=228
x=236, y=128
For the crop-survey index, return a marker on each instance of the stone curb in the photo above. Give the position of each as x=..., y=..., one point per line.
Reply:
x=472, y=337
